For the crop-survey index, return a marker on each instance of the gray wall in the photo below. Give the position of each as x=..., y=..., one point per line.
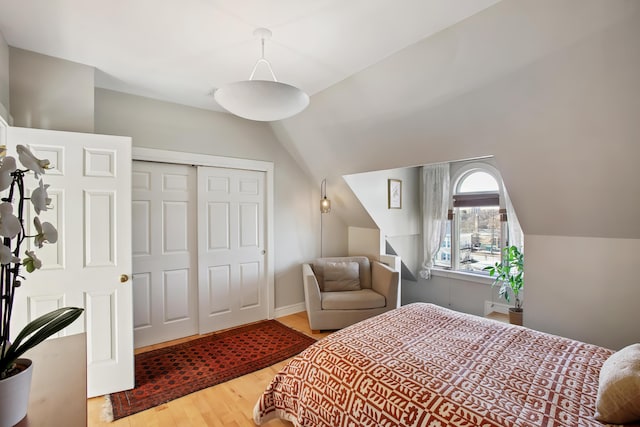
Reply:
x=456, y=294
x=4, y=78
x=583, y=287
x=50, y=93
x=162, y=125
x=551, y=90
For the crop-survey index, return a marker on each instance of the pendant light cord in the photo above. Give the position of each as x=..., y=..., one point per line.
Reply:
x=262, y=60
x=321, y=235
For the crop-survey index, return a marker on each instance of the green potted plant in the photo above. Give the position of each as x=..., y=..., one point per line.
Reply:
x=15, y=373
x=509, y=275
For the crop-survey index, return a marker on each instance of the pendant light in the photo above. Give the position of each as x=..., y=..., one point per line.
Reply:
x=261, y=100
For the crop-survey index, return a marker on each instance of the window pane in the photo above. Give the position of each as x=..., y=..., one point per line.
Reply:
x=443, y=257
x=479, y=231
x=478, y=182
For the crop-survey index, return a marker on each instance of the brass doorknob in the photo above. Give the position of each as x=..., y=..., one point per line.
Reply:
x=124, y=278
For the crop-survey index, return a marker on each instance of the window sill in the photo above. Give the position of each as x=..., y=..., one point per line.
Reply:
x=461, y=275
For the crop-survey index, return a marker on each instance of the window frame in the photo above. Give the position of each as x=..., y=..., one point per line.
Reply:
x=484, y=198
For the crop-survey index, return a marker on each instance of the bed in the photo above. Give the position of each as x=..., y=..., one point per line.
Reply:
x=424, y=365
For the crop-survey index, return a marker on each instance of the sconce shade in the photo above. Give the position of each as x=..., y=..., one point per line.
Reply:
x=261, y=100
x=325, y=205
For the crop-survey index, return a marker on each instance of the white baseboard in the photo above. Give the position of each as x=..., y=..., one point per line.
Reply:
x=289, y=309
x=490, y=306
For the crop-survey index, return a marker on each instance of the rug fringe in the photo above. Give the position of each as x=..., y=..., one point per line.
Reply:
x=107, y=410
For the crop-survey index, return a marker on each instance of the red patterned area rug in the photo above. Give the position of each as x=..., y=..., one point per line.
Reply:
x=168, y=373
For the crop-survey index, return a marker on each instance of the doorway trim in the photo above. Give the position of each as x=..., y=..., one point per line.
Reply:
x=196, y=159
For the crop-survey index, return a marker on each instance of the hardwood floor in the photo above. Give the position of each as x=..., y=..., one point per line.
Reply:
x=228, y=404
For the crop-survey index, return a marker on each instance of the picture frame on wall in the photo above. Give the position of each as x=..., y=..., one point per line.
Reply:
x=394, y=193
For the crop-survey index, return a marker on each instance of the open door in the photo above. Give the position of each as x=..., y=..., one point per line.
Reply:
x=90, y=266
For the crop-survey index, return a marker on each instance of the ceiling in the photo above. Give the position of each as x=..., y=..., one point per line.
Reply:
x=181, y=50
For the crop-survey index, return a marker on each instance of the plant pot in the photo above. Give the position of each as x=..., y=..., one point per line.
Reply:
x=14, y=394
x=515, y=316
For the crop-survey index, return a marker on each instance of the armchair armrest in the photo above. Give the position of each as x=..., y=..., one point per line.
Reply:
x=312, y=296
x=386, y=281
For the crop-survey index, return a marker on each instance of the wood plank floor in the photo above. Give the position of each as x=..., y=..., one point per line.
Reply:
x=228, y=404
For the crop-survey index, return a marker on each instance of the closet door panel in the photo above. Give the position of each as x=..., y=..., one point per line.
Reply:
x=231, y=255
x=165, y=252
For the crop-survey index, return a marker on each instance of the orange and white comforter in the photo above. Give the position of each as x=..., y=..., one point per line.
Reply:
x=424, y=365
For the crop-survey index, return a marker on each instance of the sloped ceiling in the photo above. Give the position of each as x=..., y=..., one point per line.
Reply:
x=551, y=89
x=179, y=51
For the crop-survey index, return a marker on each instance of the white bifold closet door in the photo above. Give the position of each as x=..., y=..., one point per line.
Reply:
x=198, y=250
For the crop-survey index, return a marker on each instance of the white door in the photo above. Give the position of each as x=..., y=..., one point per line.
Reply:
x=90, y=187
x=164, y=252
x=231, y=252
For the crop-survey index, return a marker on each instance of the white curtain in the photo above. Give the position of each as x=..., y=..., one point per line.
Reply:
x=435, y=204
x=516, y=237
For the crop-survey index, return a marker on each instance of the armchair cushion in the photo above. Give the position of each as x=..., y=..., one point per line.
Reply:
x=341, y=276
x=353, y=300
x=363, y=262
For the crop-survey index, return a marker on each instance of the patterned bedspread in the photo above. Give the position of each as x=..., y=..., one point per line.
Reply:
x=424, y=365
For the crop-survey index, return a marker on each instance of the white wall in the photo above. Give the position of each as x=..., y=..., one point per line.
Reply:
x=400, y=227
x=50, y=93
x=162, y=125
x=4, y=78
x=522, y=80
x=371, y=190
x=550, y=89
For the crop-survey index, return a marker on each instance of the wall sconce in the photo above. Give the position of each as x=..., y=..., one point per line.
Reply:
x=325, y=207
x=325, y=204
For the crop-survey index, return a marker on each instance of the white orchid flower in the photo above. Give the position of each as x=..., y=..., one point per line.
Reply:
x=46, y=233
x=9, y=223
x=31, y=262
x=6, y=256
x=40, y=199
x=7, y=166
x=30, y=161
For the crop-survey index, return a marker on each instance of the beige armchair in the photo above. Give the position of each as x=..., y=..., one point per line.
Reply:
x=341, y=291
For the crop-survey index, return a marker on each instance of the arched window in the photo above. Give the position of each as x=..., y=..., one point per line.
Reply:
x=477, y=181
x=476, y=232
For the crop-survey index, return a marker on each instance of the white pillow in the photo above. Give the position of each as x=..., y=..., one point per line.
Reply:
x=341, y=276
x=618, y=400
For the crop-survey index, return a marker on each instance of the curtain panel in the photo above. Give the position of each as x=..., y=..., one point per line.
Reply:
x=435, y=204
